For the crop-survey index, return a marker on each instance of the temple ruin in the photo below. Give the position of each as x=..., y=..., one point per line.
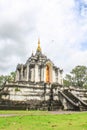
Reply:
x=38, y=85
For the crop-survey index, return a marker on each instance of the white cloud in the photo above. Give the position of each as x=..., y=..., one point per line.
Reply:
x=61, y=26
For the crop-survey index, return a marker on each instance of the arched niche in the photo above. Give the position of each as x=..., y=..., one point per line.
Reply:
x=48, y=73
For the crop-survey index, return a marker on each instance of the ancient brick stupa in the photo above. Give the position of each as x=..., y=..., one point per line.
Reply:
x=32, y=88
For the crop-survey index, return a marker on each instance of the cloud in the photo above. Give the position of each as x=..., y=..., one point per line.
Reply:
x=67, y=27
x=61, y=26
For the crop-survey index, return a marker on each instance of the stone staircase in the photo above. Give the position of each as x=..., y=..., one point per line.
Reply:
x=81, y=104
x=72, y=97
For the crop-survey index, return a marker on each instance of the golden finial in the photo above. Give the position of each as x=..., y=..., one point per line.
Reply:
x=38, y=48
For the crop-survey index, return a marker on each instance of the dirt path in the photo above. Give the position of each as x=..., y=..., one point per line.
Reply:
x=51, y=112
x=66, y=112
x=8, y=115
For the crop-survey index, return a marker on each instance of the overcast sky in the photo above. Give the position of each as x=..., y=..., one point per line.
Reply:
x=61, y=26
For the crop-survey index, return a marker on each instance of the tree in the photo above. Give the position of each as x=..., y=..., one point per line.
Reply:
x=68, y=80
x=12, y=76
x=9, y=78
x=77, y=77
x=2, y=79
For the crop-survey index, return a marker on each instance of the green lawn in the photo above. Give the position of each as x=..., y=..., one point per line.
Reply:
x=35, y=120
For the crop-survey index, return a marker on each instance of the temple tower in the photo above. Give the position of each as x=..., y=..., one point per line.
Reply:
x=38, y=68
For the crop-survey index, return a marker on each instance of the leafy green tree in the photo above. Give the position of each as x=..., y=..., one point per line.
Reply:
x=2, y=79
x=12, y=76
x=77, y=77
x=68, y=80
x=9, y=78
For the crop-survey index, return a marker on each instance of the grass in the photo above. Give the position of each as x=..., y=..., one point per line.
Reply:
x=41, y=120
